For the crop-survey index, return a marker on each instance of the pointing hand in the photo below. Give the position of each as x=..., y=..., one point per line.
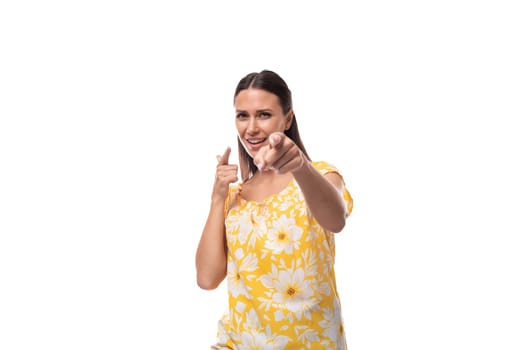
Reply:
x=281, y=155
x=225, y=175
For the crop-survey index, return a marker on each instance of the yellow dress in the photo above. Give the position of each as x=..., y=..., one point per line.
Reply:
x=281, y=281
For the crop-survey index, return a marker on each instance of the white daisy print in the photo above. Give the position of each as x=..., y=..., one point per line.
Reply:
x=293, y=291
x=239, y=271
x=284, y=236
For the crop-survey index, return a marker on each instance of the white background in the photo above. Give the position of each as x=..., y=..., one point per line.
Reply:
x=112, y=113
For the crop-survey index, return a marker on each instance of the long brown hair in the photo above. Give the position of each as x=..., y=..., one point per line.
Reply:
x=271, y=82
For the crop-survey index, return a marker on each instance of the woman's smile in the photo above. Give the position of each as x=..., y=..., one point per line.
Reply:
x=254, y=144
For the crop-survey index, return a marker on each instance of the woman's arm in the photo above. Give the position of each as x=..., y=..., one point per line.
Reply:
x=211, y=252
x=210, y=259
x=323, y=195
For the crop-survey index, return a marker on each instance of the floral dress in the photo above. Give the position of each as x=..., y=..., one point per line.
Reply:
x=281, y=281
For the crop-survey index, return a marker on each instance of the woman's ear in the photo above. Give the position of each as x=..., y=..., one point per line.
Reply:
x=289, y=119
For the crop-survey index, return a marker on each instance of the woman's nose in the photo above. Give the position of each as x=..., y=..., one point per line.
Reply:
x=252, y=125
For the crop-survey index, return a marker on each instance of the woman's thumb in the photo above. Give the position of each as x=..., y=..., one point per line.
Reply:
x=275, y=140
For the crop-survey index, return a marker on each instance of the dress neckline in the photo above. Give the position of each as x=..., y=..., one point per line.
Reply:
x=269, y=197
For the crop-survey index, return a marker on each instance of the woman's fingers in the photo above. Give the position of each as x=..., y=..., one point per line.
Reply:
x=290, y=163
x=226, y=171
x=276, y=140
x=224, y=175
x=223, y=160
x=280, y=151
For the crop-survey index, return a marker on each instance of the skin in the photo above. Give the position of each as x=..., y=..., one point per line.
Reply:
x=260, y=123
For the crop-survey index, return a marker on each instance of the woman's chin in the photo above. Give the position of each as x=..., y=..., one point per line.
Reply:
x=250, y=149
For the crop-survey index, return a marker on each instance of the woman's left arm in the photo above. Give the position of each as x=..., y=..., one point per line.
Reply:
x=323, y=195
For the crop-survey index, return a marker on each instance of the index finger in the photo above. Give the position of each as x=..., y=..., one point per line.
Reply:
x=223, y=160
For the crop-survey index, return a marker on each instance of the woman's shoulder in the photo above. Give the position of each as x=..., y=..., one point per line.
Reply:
x=324, y=167
x=233, y=192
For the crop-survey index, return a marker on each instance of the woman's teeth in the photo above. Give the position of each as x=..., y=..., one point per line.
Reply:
x=255, y=141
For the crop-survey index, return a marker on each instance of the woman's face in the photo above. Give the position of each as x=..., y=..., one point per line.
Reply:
x=258, y=114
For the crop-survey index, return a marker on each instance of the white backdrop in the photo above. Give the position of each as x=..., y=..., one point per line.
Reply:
x=112, y=113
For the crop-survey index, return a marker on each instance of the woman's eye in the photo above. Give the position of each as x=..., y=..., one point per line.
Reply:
x=265, y=115
x=241, y=116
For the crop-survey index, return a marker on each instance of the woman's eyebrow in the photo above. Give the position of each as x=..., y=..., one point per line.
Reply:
x=257, y=110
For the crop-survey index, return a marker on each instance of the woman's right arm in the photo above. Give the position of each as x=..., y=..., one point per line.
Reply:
x=211, y=252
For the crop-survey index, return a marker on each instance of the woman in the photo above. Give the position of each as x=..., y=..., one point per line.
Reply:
x=272, y=234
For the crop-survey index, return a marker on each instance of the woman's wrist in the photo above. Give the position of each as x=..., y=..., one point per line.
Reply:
x=217, y=201
x=304, y=168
